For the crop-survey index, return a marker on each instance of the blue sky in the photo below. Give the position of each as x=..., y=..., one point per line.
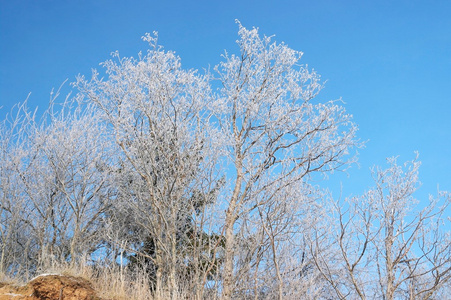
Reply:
x=390, y=61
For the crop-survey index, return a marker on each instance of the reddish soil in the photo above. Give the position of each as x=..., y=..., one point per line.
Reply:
x=50, y=287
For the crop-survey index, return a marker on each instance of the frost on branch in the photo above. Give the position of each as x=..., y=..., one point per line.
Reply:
x=384, y=244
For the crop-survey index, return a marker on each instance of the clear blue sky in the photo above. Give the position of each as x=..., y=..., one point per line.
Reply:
x=390, y=61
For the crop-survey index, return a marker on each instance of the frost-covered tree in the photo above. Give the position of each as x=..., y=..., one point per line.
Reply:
x=158, y=115
x=71, y=187
x=53, y=192
x=14, y=233
x=384, y=244
x=276, y=134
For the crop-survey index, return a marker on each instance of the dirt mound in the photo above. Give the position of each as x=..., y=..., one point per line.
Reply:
x=50, y=287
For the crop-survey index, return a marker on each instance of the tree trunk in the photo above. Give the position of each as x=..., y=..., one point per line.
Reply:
x=389, y=293
x=228, y=259
x=230, y=238
x=173, y=266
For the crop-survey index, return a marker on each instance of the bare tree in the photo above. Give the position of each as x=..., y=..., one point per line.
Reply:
x=277, y=136
x=14, y=224
x=73, y=177
x=385, y=244
x=159, y=118
x=272, y=260
x=54, y=192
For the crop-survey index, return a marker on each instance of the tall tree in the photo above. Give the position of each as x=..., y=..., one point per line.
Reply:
x=159, y=118
x=277, y=136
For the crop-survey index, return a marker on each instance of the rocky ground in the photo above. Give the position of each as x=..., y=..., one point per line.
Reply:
x=50, y=287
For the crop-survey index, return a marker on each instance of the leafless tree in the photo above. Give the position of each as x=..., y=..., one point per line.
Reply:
x=384, y=245
x=53, y=190
x=158, y=116
x=73, y=177
x=13, y=226
x=277, y=135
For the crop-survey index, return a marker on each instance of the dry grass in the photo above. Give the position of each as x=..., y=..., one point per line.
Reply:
x=121, y=284
x=110, y=282
x=8, y=280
